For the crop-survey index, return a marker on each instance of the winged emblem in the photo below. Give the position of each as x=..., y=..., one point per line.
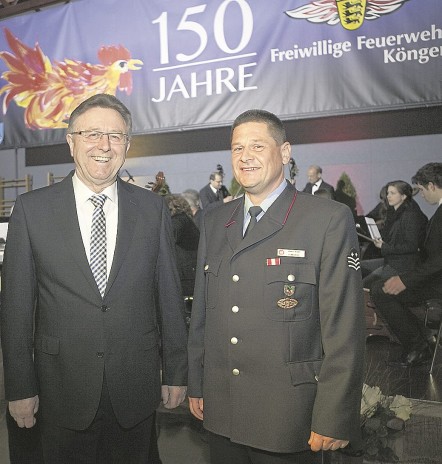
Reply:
x=350, y=13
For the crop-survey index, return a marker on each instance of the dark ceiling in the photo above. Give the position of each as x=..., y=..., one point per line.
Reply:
x=15, y=7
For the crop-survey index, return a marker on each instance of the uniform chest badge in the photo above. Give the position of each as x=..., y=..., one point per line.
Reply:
x=287, y=303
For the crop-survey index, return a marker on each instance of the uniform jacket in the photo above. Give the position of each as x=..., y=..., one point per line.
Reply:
x=403, y=235
x=428, y=271
x=78, y=334
x=270, y=375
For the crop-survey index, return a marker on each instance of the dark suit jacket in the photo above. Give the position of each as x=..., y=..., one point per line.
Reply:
x=308, y=188
x=299, y=368
x=78, y=334
x=428, y=272
x=208, y=199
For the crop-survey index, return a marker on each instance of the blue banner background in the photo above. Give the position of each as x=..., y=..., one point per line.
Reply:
x=218, y=83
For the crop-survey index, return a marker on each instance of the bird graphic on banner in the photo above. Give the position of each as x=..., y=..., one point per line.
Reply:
x=49, y=92
x=350, y=13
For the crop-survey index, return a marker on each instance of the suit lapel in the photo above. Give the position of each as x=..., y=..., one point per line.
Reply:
x=127, y=218
x=65, y=217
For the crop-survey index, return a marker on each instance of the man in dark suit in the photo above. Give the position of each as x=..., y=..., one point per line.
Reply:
x=394, y=297
x=81, y=348
x=211, y=195
x=276, y=343
x=315, y=182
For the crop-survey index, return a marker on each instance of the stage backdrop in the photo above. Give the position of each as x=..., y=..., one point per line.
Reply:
x=186, y=64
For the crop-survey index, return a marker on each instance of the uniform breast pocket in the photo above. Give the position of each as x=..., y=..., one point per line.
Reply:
x=211, y=272
x=290, y=291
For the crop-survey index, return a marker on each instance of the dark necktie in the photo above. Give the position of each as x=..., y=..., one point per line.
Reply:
x=254, y=211
x=98, y=243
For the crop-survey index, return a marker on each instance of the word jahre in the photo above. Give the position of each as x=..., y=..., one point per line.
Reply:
x=215, y=82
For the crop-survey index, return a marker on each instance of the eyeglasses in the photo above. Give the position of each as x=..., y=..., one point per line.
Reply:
x=92, y=136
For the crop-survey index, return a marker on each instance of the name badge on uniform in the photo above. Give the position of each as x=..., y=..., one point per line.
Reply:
x=291, y=253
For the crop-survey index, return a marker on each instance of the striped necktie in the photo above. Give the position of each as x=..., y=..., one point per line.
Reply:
x=98, y=243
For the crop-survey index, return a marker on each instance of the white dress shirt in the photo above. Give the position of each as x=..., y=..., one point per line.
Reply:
x=85, y=208
x=316, y=186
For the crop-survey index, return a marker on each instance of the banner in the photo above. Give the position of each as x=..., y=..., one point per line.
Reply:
x=186, y=64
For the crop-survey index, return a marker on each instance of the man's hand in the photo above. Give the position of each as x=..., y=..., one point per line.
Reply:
x=172, y=396
x=319, y=442
x=227, y=199
x=197, y=407
x=23, y=411
x=393, y=286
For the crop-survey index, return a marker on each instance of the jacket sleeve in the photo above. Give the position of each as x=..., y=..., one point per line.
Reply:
x=336, y=411
x=430, y=267
x=17, y=308
x=171, y=307
x=197, y=323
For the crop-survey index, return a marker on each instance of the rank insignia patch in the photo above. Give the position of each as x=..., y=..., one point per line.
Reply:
x=353, y=259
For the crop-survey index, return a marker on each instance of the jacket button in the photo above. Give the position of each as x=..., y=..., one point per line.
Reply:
x=100, y=354
x=235, y=309
x=233, y=340
x=290, y=277
x=235, y=278
x=235, y=372
x=104, y=308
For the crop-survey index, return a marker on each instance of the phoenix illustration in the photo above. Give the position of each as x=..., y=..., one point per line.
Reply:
x=350, y=13
x=49, y=92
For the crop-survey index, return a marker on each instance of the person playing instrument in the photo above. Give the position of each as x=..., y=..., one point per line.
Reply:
x=402, y=235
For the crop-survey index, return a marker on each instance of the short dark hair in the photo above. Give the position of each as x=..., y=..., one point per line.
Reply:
x=431, y=172
x=274, y=124
x=102, y=100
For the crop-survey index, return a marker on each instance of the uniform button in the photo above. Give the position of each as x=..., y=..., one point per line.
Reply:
x=104, y=308
x=233, y=340
x=100, y=354
x=235, y=309
x=316, y=378
x=206, y=267
x=235, y=278
x=235, y=372
x=290, y=277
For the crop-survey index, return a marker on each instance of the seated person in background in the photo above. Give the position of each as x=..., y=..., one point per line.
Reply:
x=315, y=182
x=193, y=198
x=186, y=235
x=402, y=235
x=394, y=297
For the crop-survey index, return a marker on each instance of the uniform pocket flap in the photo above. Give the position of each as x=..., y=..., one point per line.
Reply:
x=47, y=344
x=291, y=272
x=305, y=372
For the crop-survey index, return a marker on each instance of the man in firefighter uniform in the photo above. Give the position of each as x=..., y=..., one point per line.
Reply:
x=276, y=343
